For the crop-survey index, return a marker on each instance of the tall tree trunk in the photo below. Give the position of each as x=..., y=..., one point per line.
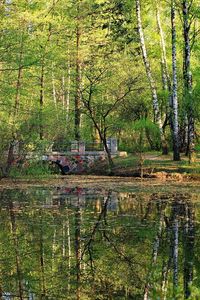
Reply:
x=66, y=92
x=102, y=131
x=187, y=76
x=41, y=128
x=176, y=153
x=54, y=87
x=18, y=85
x=167, y=80
x=77, y=112
x=42, y=75
x=165, y=72
x=156, y=109
x=14, y=113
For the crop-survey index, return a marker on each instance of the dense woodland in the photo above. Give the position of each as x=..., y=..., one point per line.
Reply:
x=89, y=70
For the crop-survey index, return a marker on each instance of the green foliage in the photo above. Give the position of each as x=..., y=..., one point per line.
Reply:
x=143, y=136
x=39, y=56
x=34, y=169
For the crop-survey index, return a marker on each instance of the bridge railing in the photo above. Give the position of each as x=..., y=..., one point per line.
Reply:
x=82, y=146
x=94, y=146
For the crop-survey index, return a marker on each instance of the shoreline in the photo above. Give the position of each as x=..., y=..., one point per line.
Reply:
x=106, y=182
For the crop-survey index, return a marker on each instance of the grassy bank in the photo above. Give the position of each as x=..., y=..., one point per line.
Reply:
x=149, y=165
x=154, y=162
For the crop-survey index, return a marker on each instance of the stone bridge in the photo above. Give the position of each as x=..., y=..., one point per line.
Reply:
x=78, y=160
x=74, y=162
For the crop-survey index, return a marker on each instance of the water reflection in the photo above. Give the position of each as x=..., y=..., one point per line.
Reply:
x=97, y=244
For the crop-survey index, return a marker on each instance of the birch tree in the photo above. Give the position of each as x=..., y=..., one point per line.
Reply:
x=175, y=123
x=152, y=84
x=187, y=77
x=166, y=80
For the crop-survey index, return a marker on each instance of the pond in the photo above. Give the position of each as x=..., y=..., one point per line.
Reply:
x=83, y=243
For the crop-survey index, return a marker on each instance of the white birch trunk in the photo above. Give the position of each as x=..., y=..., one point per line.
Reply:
x=175, y=124
x=152, y=85
x=175, y=252
x=163, y=50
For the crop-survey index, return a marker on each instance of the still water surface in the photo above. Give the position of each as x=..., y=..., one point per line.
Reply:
x=97, y=244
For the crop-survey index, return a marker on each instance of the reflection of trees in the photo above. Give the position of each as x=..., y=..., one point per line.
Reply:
x=91, y=237
x=114, y=267
x=41, y=258
x=123, y=244
x=174, y=228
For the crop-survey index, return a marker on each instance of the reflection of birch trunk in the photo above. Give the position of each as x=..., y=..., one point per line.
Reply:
x=69, y=243
x=156, y=245
x=175, y=238
x=88, y=245
x=78, y=248
x=42, y=265
x=16, y=249
x=175, y=252
x=166, y=265
x=165, y=272
x=66, y=245
x=97, y=224
x=188, y=235
x=64, y=240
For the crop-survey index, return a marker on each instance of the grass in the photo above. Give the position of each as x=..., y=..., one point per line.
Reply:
x=33, y=169
x=157, y=163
